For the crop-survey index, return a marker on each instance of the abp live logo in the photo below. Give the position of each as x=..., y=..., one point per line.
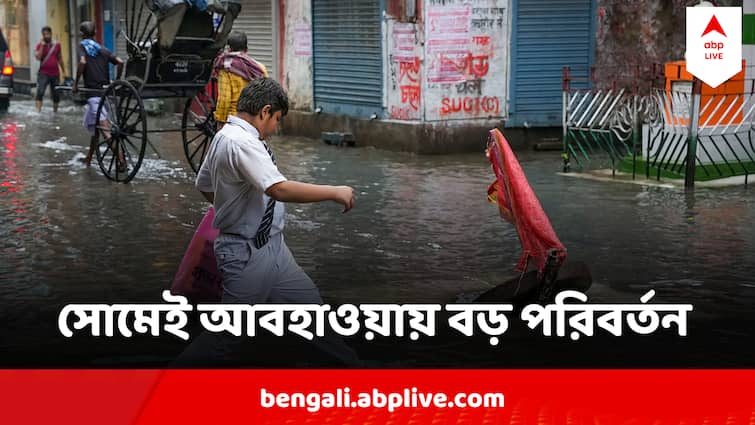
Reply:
x=714, y=43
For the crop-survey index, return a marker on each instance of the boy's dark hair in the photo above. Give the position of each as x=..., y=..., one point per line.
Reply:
x=261, y=92
x=46, y=28
x=237, y=41
x=87, y=28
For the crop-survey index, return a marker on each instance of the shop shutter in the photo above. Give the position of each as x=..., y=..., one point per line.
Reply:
x=547, y=35
x=257, y=19
x=347, y=49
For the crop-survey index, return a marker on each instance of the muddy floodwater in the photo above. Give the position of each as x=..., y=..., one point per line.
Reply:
x=422, y=230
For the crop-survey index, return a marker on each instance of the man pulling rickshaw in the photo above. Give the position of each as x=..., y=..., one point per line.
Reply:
x=93, y=61
x=171, y=46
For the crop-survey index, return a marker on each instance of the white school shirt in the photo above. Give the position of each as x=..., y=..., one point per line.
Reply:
x=239, y=170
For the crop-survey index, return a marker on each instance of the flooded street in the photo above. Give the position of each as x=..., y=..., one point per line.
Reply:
x=421, y=231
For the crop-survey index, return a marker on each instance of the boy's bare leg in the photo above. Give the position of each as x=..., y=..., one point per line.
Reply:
x=39, y=105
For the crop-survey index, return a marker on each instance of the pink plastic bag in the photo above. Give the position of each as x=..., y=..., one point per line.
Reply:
x=198, y=278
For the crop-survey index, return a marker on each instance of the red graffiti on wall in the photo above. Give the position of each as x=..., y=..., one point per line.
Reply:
x=487, y=105
x=481, y=40
x=471, y=66
x=409, y=75
x=410, y=94
x=409, y=70
x=400, y=113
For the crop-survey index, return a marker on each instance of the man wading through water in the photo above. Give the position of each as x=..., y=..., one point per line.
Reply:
x=240, y=177
x=51, y=66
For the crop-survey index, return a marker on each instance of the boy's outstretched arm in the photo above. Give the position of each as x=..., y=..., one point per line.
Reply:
x=293, y=191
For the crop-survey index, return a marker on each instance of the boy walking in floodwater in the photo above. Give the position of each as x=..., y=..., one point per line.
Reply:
x=240, y=177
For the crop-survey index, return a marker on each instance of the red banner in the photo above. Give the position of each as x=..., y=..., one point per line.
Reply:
x=541, y=397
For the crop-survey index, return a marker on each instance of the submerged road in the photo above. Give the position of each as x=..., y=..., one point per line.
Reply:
x=422, y=231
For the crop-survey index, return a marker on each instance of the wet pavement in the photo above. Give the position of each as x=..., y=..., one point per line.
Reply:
x=422, y=230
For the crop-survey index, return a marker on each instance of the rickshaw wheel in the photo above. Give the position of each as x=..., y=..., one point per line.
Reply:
x=198, y=125
x=122, y=141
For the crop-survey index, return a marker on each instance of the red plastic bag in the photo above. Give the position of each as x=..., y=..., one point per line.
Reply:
x=198, y=277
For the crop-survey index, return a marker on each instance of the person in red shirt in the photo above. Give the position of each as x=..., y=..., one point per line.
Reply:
x=48, y=53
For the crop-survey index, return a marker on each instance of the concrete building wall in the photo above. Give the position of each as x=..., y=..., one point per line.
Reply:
x=449, y=63
x=466, y=45
x=296, y=50
x=57, y=18
x=37, y=20
x=438, y=97
x=457, y=70
x=403, y=59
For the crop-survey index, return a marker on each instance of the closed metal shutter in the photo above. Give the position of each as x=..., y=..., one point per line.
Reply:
x=548, y=35
x=257, y=20
x=347, y=49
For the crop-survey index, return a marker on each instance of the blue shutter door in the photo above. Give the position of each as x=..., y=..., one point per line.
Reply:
x=547, y=35
x=347, y=50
